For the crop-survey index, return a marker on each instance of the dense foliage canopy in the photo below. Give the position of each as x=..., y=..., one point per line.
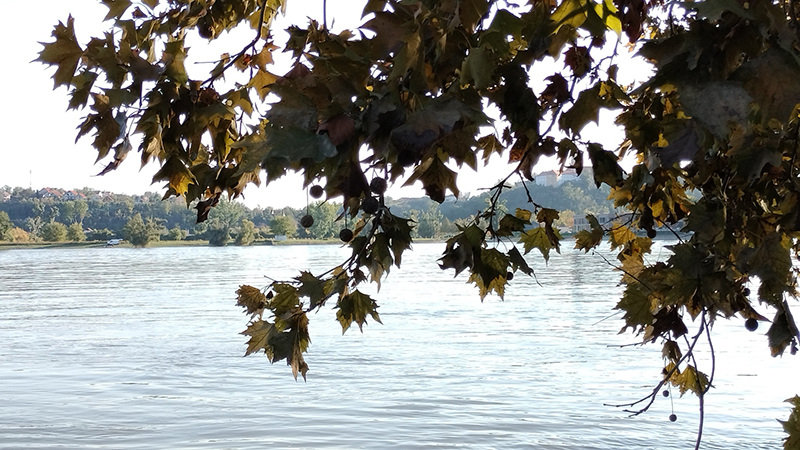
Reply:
x=711, y=136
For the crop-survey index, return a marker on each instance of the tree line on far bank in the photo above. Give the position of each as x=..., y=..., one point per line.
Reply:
x=142, y=219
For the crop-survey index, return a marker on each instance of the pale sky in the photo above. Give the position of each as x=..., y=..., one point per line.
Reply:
x=39, y=146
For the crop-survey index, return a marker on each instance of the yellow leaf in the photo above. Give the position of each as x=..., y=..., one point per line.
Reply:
x=569, y=12
x=658, y=208
x=536, y=238
x=261, y=82
x=661, y=141
x=620, y=235
x=523, y=214
x=604, y=89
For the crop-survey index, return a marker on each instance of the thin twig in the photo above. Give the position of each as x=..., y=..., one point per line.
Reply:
x=249, y=46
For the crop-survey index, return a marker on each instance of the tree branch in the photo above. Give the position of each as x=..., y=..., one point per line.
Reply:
x=248, y=47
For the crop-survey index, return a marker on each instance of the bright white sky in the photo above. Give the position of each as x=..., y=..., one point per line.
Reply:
x=39, y=146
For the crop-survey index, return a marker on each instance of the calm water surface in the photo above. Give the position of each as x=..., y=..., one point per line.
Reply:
x=139, y=348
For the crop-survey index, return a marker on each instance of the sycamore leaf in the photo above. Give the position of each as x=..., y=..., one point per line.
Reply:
x=175, y=172
x=620, y=235
x=605, y=166
x=260, y=333
x=64, y=53
x=116, y=8
x=637, y=306
x=355, y=307
x=537, y=238
x=436, y=178
x=792, y=425
x=173, y=59
x=587, y=240
x=518, y=261
x=478, y=68
x=294, y=144
x=261, y=82
x=690, y=379
x=523, y=214
x=780, y=333
x=496, y=284
x=569, y=12
x=313, y=288
x=471, y=12
x=511, y=224
x=251, y=299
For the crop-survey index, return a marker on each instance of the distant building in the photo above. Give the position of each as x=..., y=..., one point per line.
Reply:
x=49, y=193
x=102, y=196
x=72, y=195
x=552, y=178
x=5, y=196
x=549, y=178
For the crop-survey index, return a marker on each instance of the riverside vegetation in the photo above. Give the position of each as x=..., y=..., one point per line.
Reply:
x=407, y=95
x=27, y=217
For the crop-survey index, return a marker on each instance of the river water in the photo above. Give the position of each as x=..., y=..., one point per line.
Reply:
x=139, y=348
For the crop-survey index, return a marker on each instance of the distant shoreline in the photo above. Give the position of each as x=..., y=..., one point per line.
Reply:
x=157, y=244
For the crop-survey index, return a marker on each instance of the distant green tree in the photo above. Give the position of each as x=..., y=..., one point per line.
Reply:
x=283, y=225
x=140, y=233
x=218, y=233
x=74, y=210
x=54, y=232
x=34, y=226
x=230, y=213
x=325, y=226
x=247, y=233
x=176, y=234
x=5, y=226
x=429, y=223
x=75, y=233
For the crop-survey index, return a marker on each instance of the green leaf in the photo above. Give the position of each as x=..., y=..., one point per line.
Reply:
x=478, y=68
x=260, y=333
x=586, y=109
x=316, y=289
x=356, y=307
x=251, y=299
x=537, y=238
x=637, y=306
x=295, y=144
x=590, y=239
x=511, y=224
x=173, y=58
x=64, y=53
x=605, y=166
x=569, y=12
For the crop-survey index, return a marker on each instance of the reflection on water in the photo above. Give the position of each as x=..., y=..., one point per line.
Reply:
x=139, y=348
